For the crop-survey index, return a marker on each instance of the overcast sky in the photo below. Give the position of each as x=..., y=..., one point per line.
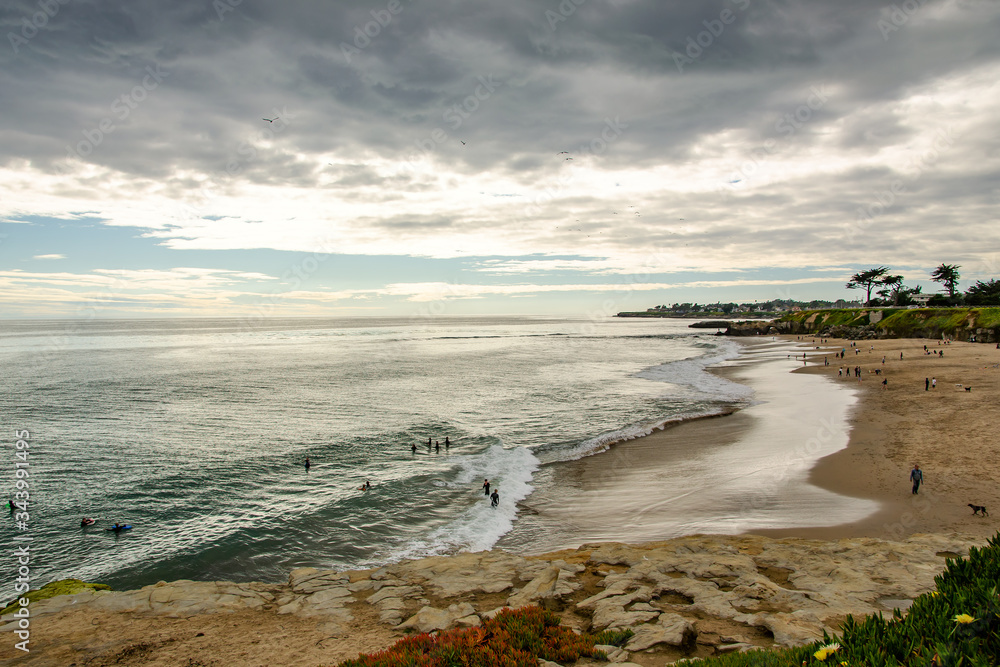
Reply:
x=488, y=157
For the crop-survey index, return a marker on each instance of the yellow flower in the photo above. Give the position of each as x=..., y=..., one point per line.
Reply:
x=964, y=618
x=821, y=655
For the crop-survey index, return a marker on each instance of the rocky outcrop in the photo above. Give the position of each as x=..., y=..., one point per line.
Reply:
x=674, y=595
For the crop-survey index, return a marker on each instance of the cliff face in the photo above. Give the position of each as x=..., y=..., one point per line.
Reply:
x=982, y=324
x=687, y=597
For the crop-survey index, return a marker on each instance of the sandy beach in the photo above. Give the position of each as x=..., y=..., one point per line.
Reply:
x=948, y=431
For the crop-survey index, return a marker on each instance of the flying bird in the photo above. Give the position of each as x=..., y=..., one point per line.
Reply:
x=271, y=120
x=569, y=158
x=463, y=143
x=563, y=153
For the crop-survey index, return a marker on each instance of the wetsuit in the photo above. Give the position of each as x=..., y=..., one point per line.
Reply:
x=495, y=498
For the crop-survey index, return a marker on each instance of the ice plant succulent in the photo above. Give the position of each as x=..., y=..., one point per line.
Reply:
x=825, y=652
x=964, y=618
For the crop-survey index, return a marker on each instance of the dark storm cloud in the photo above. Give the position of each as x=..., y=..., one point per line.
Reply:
x=175, y=93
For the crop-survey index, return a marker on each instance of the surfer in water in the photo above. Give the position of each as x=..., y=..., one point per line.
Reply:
x=495, y=497
x=307, y=464
x=413, y=448
x=486, y=487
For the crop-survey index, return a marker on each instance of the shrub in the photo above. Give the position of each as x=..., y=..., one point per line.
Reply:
x=513, y=638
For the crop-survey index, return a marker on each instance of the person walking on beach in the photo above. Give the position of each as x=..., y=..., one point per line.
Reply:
x=927, y=384
x=495, y=497
x=885, y=383
x=486, y=487
x=933, y=383
x=916, y=476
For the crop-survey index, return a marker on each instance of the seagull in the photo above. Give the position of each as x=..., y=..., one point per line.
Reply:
x=569, y=158
x=463, y=143
x=271, y=120
x=563, y=153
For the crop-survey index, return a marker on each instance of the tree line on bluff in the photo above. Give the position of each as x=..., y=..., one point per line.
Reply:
x=894, y=293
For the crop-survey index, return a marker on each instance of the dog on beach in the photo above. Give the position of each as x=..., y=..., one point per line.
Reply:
x=976, y=509
x=968, y=389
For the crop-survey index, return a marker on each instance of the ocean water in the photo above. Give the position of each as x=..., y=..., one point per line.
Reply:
x=195, y=432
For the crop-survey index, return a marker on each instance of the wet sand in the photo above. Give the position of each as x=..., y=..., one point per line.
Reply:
x=817, y=455
x=747, y=471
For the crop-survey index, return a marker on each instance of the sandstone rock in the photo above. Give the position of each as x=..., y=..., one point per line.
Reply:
x=611, y=614
x=328, y=595
x=469, y=621
x=393, y=592
x=362, y=585
x=614, y=653
x=542, y=586
x=741, y=647
x=672, y=629
x=429, y=618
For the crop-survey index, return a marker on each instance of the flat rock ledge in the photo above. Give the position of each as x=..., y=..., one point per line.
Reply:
x=697, y=595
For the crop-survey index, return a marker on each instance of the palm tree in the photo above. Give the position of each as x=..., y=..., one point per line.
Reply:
x=947, y=274
x=867, y=280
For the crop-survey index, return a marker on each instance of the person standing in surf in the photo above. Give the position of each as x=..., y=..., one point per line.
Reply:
x=307, y=464
x=495, y=497
x=486, y=487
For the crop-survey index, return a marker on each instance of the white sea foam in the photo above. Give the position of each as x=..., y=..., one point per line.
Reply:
x=692, y=374
x=480, y=526
x=718, y=395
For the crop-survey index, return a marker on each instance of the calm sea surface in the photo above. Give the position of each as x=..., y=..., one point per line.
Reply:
x=195, y=432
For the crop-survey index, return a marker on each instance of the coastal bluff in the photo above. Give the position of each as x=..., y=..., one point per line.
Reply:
x=980, y=324
x=687, y=597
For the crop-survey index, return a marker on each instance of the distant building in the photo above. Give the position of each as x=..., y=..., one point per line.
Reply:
x=921, y=299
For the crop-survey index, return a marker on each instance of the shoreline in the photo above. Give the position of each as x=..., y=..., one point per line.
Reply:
x=706, y=476
x=946, y=430
x=886, y=432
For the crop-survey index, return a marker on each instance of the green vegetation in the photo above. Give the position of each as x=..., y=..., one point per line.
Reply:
x=901, y=323
x=513, y=638
x=983, y=294
x=867, y=280
x=54, y=588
